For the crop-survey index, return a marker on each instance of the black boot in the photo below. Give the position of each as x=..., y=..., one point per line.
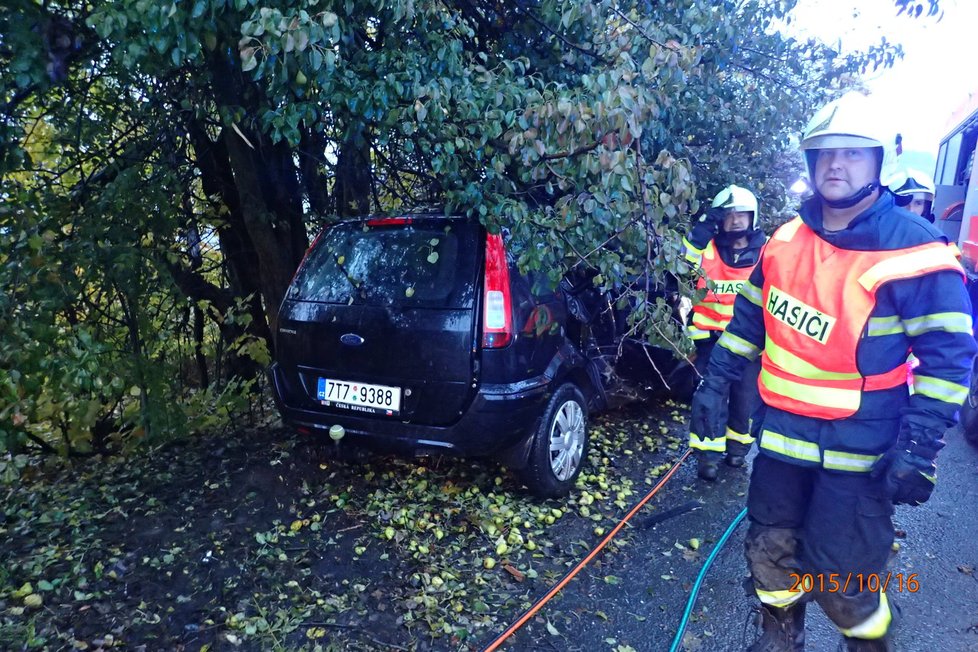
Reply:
x=735, y=461
x=706, y=469
x=782, y=629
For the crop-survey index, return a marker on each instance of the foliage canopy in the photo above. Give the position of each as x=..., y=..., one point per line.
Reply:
x=163, y=164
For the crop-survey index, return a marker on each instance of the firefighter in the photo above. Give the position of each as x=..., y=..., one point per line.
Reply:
x=914, y=191
x=839, y=296
x=726, y=244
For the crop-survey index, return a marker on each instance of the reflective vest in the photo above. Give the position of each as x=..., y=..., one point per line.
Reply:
x=817, y=303
x=714, y=312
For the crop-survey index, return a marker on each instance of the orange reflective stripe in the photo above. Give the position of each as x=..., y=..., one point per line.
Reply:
x=890, y=379
x=822, y=398
x=913, y=262
x=808, y=397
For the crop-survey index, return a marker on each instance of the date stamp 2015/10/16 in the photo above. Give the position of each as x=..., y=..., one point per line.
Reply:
x=856, y=582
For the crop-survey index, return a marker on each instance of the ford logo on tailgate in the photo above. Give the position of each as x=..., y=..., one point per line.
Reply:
x=351, y=339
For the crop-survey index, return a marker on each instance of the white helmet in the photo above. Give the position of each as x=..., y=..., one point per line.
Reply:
x=909, y=182
x=853, y=120
x=736, y=198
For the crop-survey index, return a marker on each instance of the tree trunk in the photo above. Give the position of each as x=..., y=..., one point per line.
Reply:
x=271, y=238
x=354, y=178
x=312, y=150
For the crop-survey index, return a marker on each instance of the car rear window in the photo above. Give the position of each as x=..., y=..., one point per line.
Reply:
x=428, y=264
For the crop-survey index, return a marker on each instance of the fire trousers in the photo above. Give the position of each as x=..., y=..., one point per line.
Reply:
x=742, y=402
x=824, y=536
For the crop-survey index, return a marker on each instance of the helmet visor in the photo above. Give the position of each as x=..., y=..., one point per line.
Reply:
x=839, y=141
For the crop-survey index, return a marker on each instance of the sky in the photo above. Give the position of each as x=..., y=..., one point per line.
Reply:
x=937, y=74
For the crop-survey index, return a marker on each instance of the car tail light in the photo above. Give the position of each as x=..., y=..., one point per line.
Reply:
x=390, y=221
x=497, y=308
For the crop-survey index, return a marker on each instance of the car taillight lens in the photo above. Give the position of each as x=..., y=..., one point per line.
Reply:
x=390, y=221
x=497, y=310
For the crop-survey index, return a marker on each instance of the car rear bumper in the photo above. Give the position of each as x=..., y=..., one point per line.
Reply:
x=499, y=418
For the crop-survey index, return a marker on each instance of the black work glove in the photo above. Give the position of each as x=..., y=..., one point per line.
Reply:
x=708, y=404
x=706, y=228
x=910, y=479
x=908, y=469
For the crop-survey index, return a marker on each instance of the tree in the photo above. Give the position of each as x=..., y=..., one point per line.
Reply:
x=163, y=163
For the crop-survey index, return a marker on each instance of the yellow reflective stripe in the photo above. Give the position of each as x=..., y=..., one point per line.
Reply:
x=738, y=345
x=722, y=308
x=951, y=322
x=779, y=598
x=874, y=627
x=787, y=230
x=942, y=390
x=702, y=321
x=898, y=266
x=742, y=437
x=856, y=462
x=752, y=293
x=798, y=449
x=694, y=333
x=717, y=444
x=843, y=399
x=693, y=254
x=801, y=368
x=884, y=326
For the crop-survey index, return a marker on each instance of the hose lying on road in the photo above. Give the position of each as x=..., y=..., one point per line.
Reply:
x=699, y=579
x=529, y=613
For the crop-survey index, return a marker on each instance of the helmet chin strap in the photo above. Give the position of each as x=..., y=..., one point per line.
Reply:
x=851, y=200
x=728, y=237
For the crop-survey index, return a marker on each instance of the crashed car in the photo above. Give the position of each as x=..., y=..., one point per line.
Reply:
x=416, y=333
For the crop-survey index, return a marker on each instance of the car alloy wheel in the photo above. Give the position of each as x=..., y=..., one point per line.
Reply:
x=558, y=444
x=567, y=438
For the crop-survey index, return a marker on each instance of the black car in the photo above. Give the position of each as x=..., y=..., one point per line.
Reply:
x=417, y=333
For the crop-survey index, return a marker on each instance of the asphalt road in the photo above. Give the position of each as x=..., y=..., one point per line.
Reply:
x=642, y=609
x=940, y=547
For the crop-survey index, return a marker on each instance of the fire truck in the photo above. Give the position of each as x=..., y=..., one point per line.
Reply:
x=956, y=209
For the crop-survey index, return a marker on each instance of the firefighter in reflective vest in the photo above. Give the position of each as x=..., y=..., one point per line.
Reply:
x=914, y=191
x=726, y=244
x=840, y=295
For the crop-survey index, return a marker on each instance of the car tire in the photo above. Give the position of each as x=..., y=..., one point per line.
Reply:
x=969, y=410
x=560, y=445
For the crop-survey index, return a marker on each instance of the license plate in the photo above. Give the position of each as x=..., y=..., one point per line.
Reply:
x=359, y=397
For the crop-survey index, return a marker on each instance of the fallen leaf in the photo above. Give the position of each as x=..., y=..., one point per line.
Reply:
x=514, y=572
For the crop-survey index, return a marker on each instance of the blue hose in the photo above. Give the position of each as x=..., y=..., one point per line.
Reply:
x=699, y=579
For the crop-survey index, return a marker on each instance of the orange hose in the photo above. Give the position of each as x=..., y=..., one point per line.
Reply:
x=584, y=562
